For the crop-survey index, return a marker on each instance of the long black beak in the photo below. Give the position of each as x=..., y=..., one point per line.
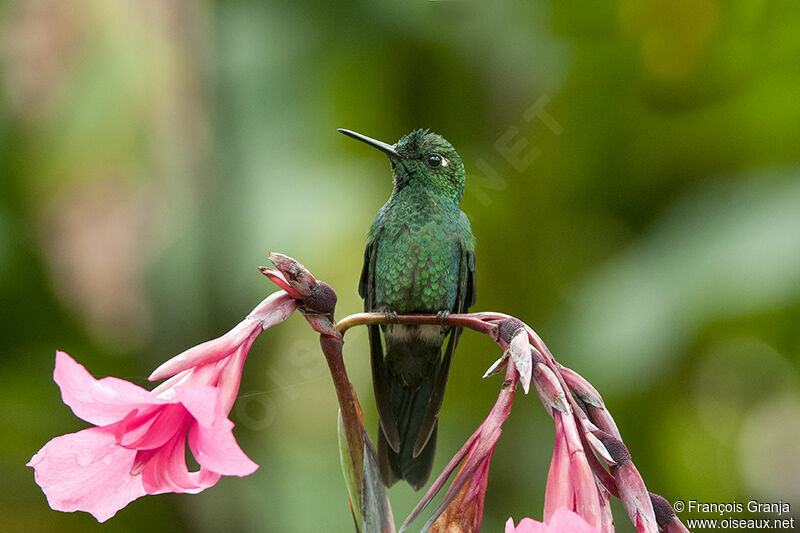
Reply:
x=387, y=149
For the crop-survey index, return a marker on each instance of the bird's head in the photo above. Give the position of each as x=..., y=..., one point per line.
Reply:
x=424, y=157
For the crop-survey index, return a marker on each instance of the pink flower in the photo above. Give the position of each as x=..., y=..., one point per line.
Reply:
x=465, y=512
x=562, y=521
x=273, y=310
x=570, y=481
x=139, y=443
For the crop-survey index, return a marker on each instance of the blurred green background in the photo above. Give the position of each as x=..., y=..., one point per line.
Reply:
x=633, y=181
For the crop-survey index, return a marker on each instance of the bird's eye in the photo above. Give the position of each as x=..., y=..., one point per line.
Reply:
x=434, y=160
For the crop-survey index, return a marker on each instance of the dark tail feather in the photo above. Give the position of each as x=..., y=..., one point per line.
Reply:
x=395, y=466
x=437, y=395
x=410, y=406
x=415, y=471
x=380, y=382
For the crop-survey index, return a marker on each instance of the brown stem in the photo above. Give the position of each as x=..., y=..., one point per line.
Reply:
x=474, y=321
x=351, y=415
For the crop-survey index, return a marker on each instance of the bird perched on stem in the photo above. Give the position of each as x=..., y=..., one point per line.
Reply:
x=419, y=258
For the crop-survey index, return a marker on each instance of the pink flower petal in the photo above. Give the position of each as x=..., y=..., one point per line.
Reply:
x=563, y=521
x=520, y=352
x=167, y=472
x=510, y=526
x=566, y=520
x=216, y=449
x=634, y=496
x=279, y=279
x=496, y=367
x=211, y=438
x=230, y=378
x=157, y=430
x=123, y=426
x=207, y=352
x=100, y=402
x=87, y=471
x=526, y=525
x=559, y=491
x=607, y=517
x=587, y=497
x=274, y=309
x=202, y=402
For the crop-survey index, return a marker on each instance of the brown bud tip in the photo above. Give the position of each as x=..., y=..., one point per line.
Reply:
x=616, y=448
x=538, y=358
x=508, y=327
x=580, y=403
x=295, y=273
x=322, y=299
x=662, y=508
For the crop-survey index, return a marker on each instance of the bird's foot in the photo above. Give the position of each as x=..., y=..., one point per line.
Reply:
x=441, y=316
x=391, y=317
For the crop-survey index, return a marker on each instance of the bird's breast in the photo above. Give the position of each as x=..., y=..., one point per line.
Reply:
x=417, y=266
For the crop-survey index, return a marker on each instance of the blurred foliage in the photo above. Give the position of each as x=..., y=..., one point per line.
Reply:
x=633, y=184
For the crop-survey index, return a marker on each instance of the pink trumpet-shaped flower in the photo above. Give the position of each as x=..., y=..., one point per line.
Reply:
x=562, y=521
x=637, y=501
x=570, y=481
x=273, y=310
x=465, y=512
x=138, y=446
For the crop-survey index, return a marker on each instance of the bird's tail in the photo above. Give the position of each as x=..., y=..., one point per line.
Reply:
x=409, y=406
x=412, y=387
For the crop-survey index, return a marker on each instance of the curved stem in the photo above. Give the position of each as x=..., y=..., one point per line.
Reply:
x=473, y=321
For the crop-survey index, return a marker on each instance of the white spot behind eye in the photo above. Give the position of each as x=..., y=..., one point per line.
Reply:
x=445, y=162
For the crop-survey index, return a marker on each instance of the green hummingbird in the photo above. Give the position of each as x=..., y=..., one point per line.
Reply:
x=419, y=258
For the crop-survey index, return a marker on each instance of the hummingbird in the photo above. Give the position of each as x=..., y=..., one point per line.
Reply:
x=419, y=259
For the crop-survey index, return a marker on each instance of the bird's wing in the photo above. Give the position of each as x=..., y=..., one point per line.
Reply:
x=380, y=375
x=467, y=293
x=366, y=283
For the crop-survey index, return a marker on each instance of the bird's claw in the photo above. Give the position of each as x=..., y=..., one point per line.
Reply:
x=391, y=317
x=442, y=316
